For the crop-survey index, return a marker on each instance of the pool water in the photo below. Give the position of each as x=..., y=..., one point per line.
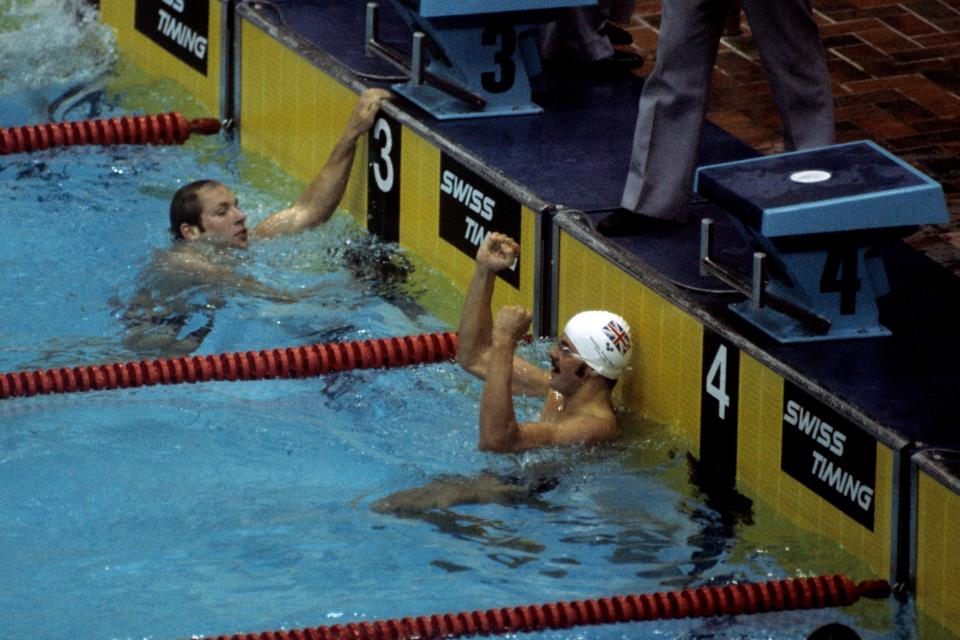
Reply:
x=220, y=508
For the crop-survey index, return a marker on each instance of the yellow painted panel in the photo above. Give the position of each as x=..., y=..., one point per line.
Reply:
x=294, y=113
x=420, y=225
x=759, y=446
x=761, y=405
x=419, y=206
x=938, y=563
x=664, y=381
x=154, y=59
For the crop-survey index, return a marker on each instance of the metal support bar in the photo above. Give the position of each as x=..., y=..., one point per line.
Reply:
x=400, y=61
x=758, y=272
x=416, y=59
x=706, y=240
x=754, y=289
x=372, y=25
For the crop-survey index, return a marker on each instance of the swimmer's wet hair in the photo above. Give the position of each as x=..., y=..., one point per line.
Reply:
x=185, y=207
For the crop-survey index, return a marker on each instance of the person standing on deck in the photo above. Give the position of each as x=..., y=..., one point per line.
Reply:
x=673, y=102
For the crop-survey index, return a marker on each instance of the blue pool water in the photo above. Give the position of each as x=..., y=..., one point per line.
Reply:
x=167, y=512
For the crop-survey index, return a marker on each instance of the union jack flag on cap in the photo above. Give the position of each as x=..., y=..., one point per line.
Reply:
x=618, y=336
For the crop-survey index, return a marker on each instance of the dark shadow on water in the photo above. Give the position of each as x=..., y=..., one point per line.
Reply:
x=434, y=502
x=383, y=267
x=82, y=101
x=723, y=509
x=714, y=509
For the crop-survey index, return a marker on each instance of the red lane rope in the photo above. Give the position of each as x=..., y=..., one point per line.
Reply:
x=165, y=128
x=291, y=362
x=736, y=599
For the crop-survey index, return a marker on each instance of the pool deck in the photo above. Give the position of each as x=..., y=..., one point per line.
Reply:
x=904, y=382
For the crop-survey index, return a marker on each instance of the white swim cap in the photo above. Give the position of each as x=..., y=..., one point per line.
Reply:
x=603, y=341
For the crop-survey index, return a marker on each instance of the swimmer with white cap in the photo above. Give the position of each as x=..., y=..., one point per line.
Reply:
x=591, y=354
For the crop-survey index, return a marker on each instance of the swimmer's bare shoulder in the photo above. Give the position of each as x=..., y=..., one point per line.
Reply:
x=185, y=260
x=590, y=425
x=195, y=264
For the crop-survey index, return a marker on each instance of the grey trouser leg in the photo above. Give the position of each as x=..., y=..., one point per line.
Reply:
x=673, y=105
x=792, y=54
x=574, y=35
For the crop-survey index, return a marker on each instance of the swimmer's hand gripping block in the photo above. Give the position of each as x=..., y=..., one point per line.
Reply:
x=819, y=216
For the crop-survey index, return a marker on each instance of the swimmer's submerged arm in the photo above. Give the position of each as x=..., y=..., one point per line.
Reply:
x=198, y=271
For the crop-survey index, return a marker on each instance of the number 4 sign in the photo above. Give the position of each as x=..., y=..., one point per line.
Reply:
x=716, y=382
x=719, y=391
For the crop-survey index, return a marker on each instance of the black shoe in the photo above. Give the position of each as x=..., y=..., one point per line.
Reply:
x=619, y=60
x=624, y=222
x=619, y=63
x=615, y=34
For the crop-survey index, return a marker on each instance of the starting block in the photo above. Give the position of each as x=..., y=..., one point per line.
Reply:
x=815, y=219
x=481, y=53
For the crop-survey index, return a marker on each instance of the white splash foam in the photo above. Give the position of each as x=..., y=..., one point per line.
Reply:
x=50, y=42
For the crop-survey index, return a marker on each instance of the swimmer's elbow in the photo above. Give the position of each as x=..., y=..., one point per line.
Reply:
x=496, y=440
x=494, y=446
x=471, y=365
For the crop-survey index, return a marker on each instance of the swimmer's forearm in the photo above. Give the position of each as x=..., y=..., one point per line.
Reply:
x=323, y=194
x=252, y=286
x=499, y=430
x=320, y=199
x=476, y=322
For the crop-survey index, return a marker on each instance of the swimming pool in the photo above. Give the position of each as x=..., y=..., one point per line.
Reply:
x=227, y=507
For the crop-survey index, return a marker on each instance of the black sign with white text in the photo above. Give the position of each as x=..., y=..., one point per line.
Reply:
x=383, y=178
x=179, y=26
x=719, y=400
x=829, y=455
x=471, y=208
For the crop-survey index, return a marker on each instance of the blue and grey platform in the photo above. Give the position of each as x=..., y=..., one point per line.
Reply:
x=817, y=218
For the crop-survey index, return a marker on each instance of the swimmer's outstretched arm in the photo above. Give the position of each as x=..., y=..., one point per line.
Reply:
x=497, y=252
x=322, y=196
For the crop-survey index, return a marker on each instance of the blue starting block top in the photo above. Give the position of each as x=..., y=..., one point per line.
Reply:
x=817, y=216
x=445, y=8
x=843, y=187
